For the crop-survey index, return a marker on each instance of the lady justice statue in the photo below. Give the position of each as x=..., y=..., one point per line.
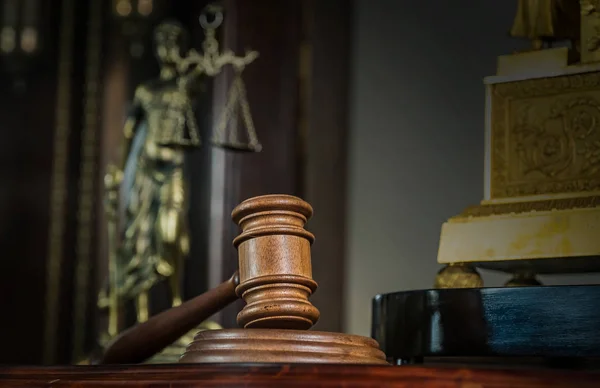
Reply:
x=161, y=127
x=547, y=21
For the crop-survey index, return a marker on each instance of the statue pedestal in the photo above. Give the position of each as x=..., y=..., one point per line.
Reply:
x=172, y=353
x=541, y=210
x=530, y=240
x=532, y=63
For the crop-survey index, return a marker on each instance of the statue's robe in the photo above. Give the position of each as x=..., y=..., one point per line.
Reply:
x=547, y=20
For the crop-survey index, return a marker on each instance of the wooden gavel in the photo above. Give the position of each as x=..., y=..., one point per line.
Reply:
x=274, y=278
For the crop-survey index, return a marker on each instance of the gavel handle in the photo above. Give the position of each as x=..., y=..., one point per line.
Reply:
x=144, y=340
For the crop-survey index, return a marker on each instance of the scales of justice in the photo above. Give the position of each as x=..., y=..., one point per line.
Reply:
x=151, y=242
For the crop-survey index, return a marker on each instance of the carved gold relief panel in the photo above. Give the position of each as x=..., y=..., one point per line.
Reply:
x=546, y=136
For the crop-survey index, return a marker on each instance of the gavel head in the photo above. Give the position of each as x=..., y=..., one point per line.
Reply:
x=274, y=263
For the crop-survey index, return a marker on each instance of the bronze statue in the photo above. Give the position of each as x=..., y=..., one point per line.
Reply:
x=159, y=130
x=547, y=21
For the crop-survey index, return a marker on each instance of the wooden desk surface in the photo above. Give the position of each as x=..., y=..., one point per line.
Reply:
x=291, y=375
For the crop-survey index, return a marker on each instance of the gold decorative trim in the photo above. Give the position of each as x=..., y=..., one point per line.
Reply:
x=87, y=180
x=58, y=190
x=539, y=206
x=590, y=31
x=525, y=118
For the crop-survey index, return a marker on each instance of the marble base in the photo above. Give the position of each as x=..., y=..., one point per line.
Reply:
x=552, y=241
x=535, y=62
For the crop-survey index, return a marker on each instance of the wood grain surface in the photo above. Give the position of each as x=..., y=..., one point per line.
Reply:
x=291, y=375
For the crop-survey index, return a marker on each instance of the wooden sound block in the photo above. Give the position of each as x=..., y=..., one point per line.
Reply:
x=282, y=346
